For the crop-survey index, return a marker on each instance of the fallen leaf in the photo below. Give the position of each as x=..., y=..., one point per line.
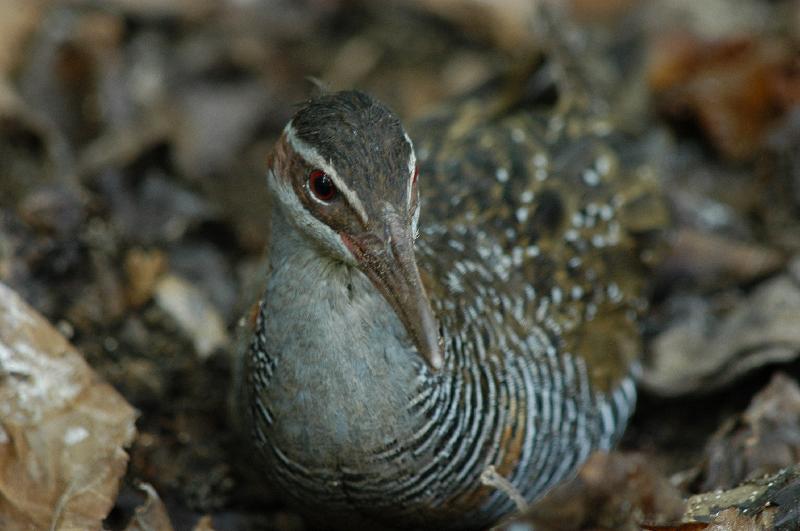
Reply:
x=506, y=23
x=763, y=441
x=734, y=520
x=143, y=269
x=768, y=502
x=703, y=351
x=204, y=524
x=686, y=526
x=18, y=19
x=733, y=88
x=152, y=515
x=192, y=310
x=62, y=429
x=712, y=260
x=611, y=491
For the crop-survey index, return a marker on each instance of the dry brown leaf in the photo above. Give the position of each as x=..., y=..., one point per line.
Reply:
x=733, y=88
x=143, y=269
x=769, y=502
x=194, y=313
x=703, y=351
x=734, y=520
x=151, y=515
x=18, y=19
x=62, y=429
x=763, y=441
x=505, y=23
x=687, y=526
x=611, y=491
x=204, y=524
x=712, y=260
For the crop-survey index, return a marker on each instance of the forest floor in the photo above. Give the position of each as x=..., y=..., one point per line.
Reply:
x=133, y=215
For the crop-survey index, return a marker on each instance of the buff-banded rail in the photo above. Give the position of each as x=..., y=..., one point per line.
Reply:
x=439, y=303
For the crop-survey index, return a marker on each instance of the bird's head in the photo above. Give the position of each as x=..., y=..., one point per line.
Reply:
x=345, y=176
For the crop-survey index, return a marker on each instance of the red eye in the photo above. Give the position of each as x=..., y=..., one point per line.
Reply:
x=321, y=185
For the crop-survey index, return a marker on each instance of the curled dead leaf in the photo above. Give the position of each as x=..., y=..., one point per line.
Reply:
x=62, y=429
x=151, y=515
x=703, y=351
x=763, y=441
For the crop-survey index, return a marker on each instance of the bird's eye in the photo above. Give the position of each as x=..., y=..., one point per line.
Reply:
x=321, y=185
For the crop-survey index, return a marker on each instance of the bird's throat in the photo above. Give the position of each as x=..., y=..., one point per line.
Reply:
x=340, y=353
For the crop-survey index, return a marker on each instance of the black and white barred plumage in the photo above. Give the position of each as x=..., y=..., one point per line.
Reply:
x=528, y=252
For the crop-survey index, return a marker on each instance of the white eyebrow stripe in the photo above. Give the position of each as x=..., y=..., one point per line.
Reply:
x=412, y=164
x=313, y=157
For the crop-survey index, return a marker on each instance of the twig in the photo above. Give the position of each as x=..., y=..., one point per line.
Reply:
x=490, y=478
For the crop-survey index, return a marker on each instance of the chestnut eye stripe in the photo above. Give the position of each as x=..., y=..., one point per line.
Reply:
x=316, y=161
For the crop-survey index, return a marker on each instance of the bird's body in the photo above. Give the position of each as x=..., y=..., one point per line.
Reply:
x=365, y=411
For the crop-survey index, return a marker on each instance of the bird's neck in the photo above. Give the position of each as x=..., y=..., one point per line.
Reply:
x=342, y=355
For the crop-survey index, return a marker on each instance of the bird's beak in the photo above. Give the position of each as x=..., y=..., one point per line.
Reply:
x=388, y=261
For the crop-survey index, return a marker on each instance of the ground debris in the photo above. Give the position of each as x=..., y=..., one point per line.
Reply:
x=762, y=441
x=62, y=429
x=712, y=260
x=702, y=351
x=194, y=313
x=733, y=87
x=142, y=269
x=611, y=491
x=768, y=502
x=152, y=515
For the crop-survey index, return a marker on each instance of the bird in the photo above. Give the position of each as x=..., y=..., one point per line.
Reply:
x=459, y=298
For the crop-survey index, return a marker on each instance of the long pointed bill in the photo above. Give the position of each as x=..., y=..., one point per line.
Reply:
x=390, y=264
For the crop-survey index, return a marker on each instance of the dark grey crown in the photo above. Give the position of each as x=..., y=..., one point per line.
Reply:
x=361, y=138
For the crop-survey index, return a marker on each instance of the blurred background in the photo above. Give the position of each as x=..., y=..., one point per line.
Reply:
x=133, y=209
